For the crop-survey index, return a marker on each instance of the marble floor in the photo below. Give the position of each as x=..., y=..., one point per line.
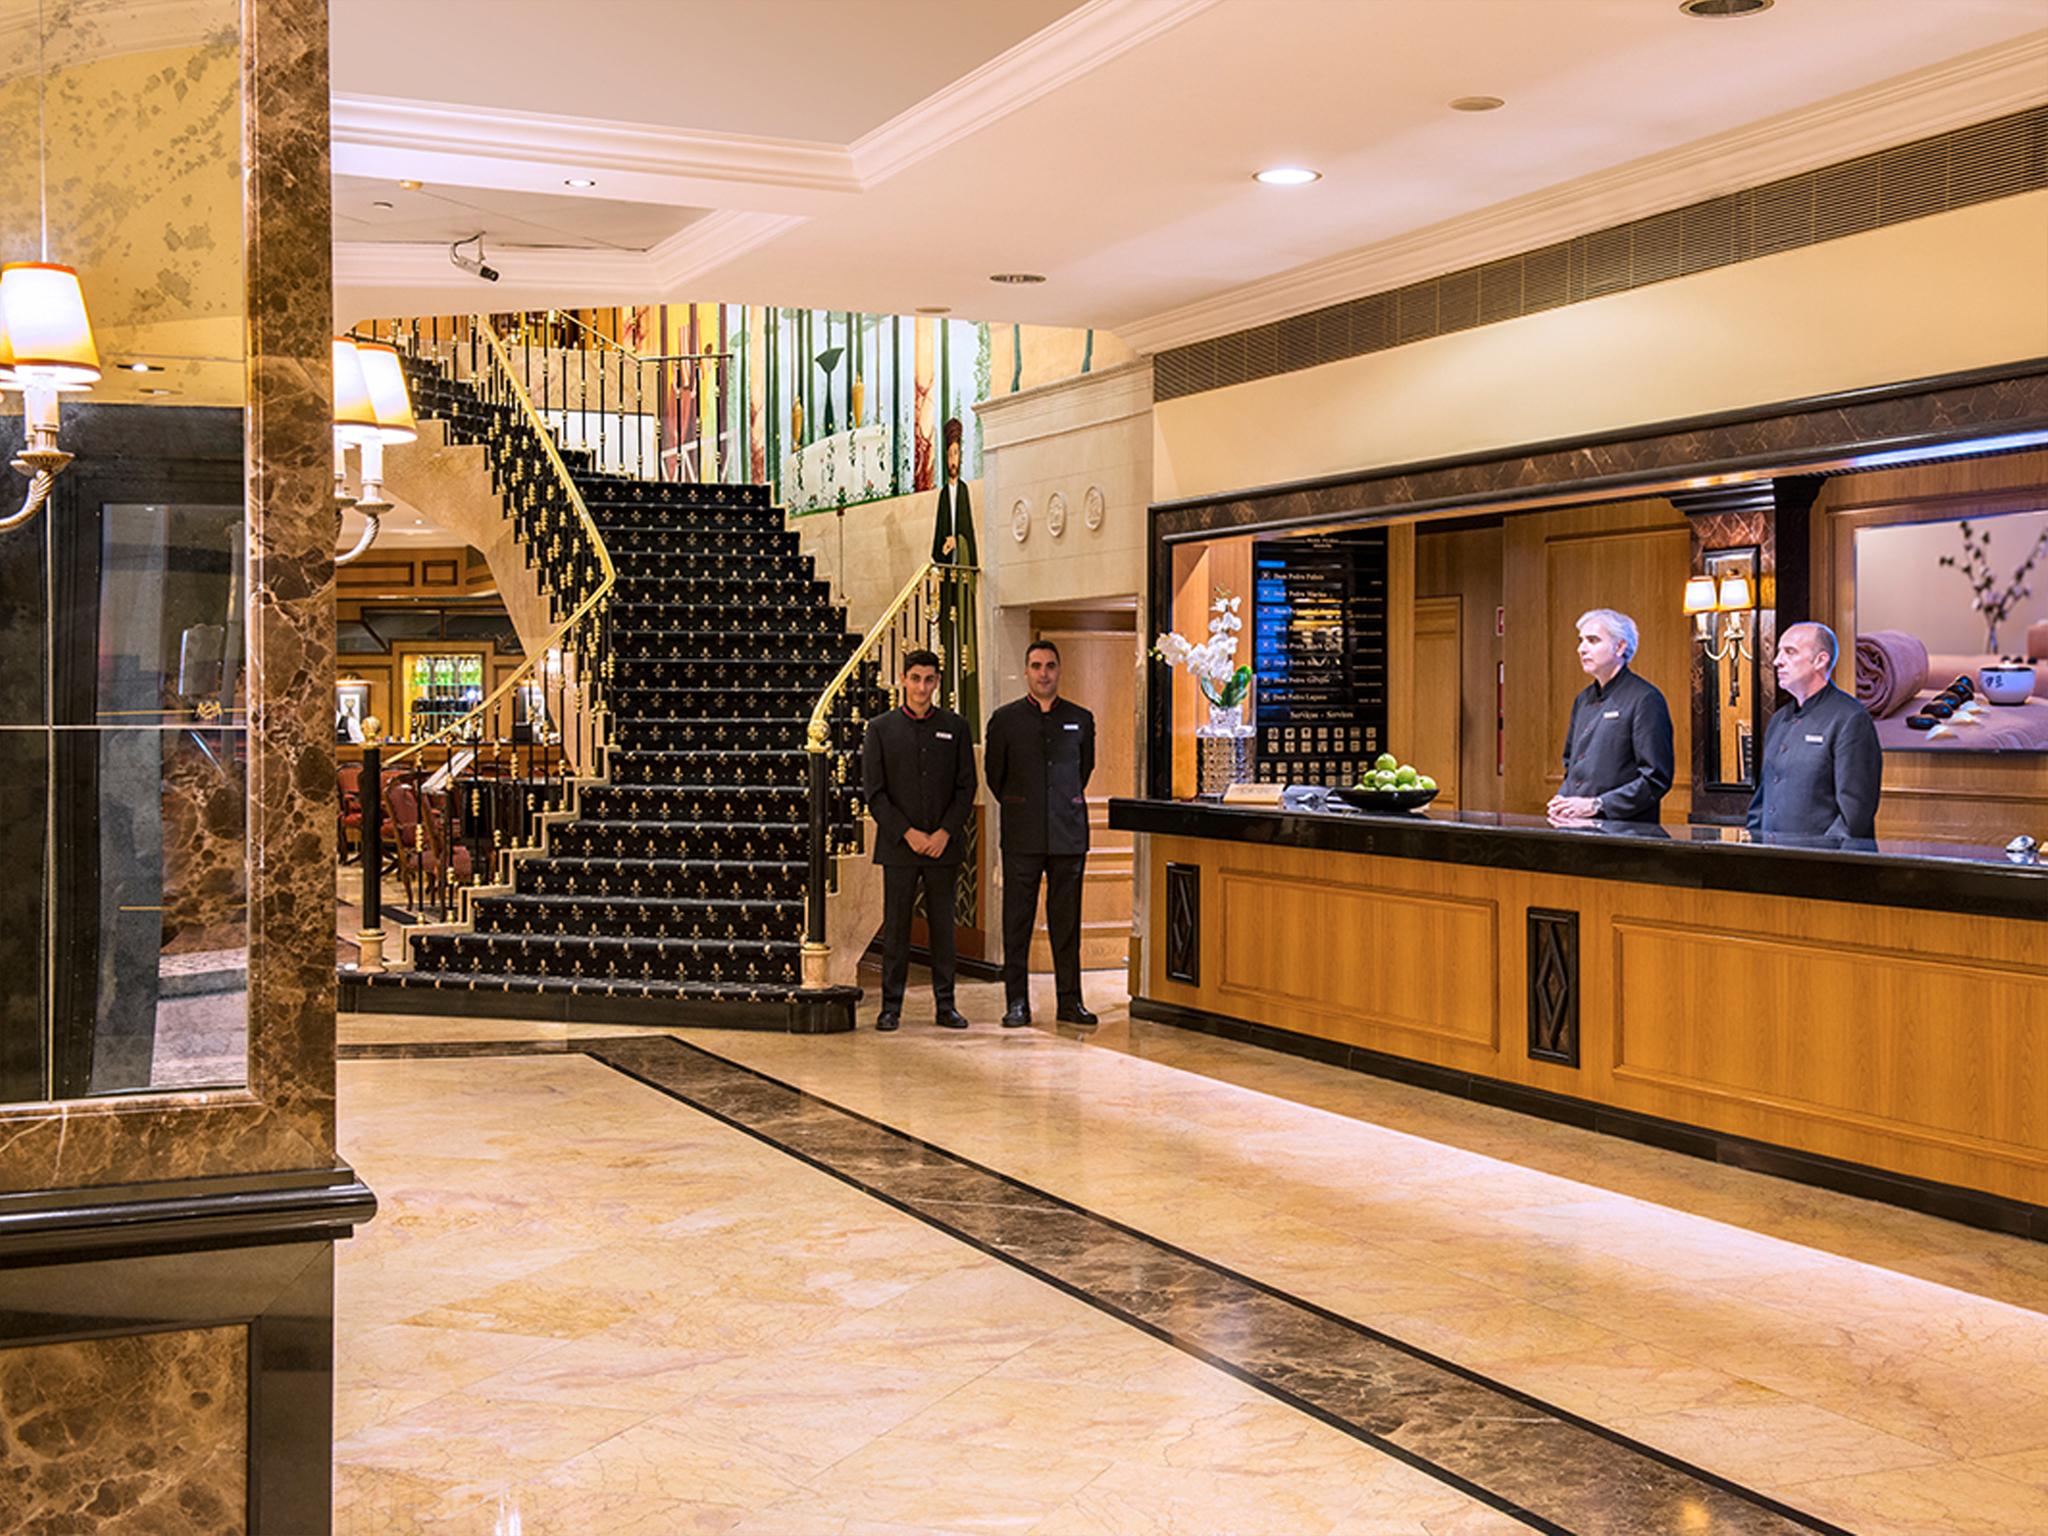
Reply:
x=1141, y=1281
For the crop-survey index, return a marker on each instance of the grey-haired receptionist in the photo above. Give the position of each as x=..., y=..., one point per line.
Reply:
x=1618, y=757
x=1822, y=767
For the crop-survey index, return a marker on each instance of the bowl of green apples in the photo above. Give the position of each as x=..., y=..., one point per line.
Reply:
x=1390, y=785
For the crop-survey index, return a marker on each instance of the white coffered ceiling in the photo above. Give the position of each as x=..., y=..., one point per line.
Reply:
x=891, y=154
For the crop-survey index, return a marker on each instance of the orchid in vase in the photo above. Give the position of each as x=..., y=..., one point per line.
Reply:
x=1214, y=666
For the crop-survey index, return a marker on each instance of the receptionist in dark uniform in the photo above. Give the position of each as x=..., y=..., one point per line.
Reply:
x=917, y=772
x=1821, y=766
x=1618, y=757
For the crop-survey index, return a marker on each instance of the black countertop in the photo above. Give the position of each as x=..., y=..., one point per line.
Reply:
x=1942, y=877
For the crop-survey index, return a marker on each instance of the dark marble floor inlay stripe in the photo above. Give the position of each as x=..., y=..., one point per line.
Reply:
x=1553, y=1470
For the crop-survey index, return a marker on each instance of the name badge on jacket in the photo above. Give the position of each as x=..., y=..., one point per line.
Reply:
x=943, y=735
x=1074, y=725
x=1819, y=741
x=1612, y=714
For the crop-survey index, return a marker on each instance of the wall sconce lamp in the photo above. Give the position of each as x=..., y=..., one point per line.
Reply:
x=372, y=408
x=46, y=348
x=1732, y=595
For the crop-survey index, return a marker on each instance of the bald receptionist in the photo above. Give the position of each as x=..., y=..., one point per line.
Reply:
x=1821, y=765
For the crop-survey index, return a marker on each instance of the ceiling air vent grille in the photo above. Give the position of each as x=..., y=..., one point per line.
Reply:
x=2001, y=158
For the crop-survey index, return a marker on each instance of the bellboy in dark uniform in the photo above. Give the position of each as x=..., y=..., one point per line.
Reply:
x=1821, y=765
x=917, y=771
x=1618, y=757
x=1040, y=754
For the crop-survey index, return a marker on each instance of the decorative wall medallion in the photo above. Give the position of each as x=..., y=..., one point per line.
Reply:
x=1056, y=514
x=1092, y=508
x=1020, y=519
x=1184, y=923
x=1553, y=966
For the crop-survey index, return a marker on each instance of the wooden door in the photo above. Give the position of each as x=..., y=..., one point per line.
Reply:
x=1438, y=743
x=1099, y=671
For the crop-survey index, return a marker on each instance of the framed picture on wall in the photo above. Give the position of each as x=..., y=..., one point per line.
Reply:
x=351, y=706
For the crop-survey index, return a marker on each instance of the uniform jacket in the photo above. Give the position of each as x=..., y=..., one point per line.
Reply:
x=1617, y=747
x=1820, y=770
x=1039, y=762
x=917, y=773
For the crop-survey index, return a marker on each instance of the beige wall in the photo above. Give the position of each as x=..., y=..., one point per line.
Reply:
x=1952, y=291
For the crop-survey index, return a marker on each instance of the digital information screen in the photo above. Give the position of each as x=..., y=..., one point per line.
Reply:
x=1319, y=647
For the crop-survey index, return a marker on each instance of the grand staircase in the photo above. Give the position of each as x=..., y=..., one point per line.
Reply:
x=671, y=885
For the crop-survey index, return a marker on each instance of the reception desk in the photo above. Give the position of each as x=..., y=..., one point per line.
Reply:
x=1872, y=1018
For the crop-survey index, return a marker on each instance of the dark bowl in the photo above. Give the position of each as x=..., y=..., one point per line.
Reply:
x=1386, y=799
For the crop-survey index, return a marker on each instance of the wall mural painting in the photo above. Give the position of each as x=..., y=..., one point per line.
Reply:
x=830, y=407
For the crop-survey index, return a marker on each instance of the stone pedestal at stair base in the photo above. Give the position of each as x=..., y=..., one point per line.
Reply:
x=823, y=1010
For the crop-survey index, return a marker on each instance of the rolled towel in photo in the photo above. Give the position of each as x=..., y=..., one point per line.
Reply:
x=2037, y=641
x=1891, y=666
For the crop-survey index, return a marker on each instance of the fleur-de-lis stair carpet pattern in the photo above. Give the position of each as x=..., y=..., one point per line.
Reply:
x=677, y=889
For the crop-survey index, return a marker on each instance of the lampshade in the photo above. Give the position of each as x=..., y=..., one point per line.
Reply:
x=6, y=355
x=46, y=325
x=1699, y=594
x=1735, y=596
x=385, y=376
x=355, y=414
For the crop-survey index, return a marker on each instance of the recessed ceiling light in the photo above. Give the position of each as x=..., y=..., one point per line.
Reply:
x=143, y=367
x=1477, y=104
x=381, y=203
x=1016, y=277
x=1287, y=176
x=578, y=181
x=1712, y=8
x=938, y=309
x=411, y=186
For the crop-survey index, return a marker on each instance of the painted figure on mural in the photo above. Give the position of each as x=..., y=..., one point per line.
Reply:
x=953, y=544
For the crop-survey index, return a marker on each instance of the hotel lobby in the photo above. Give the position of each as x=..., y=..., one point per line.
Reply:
x=1149, y=768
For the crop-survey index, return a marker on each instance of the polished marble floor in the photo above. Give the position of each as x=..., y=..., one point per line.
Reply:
x=609, y=1302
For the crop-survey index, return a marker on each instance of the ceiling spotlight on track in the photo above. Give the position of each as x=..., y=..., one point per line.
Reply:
x=475, y=265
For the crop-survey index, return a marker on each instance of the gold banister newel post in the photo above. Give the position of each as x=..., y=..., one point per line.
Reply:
x=906, y=624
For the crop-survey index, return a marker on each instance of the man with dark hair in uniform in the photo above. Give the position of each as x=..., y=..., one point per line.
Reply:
x=917, y=772
x=1822, y=766
x=1040, y=755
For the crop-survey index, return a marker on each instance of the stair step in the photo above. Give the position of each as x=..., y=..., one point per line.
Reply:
x=444, y=982
x=785, y=767
x=699, y=879
x=729, y=961
x=642, y=917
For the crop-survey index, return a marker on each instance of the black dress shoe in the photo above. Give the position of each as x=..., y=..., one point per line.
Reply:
x=1017, y=1015
x=887, y=1022
x=951, y=1018
x=1074, y=1013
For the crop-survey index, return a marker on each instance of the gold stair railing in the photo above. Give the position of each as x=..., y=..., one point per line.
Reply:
x=514, y=756
x=911, y=622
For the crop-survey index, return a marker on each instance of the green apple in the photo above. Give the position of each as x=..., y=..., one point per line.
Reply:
x=1425, y=782
x=1387, y=762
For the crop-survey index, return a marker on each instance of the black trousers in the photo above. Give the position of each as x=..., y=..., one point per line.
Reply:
x=1062, y=875
x=899, y=895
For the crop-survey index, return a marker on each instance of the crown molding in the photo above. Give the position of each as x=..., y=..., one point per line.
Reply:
x=538, y=276
x=368, y=130
x=712, y=242
x=1973, y=88
x=1081, y=41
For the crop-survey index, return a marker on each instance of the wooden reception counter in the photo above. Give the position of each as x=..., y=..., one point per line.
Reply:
x=1873, y=1018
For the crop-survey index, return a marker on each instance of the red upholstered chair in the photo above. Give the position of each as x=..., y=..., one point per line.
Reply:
x=348, y=783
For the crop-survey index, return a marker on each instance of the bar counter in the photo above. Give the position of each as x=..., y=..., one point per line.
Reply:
x=1872, y=1017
